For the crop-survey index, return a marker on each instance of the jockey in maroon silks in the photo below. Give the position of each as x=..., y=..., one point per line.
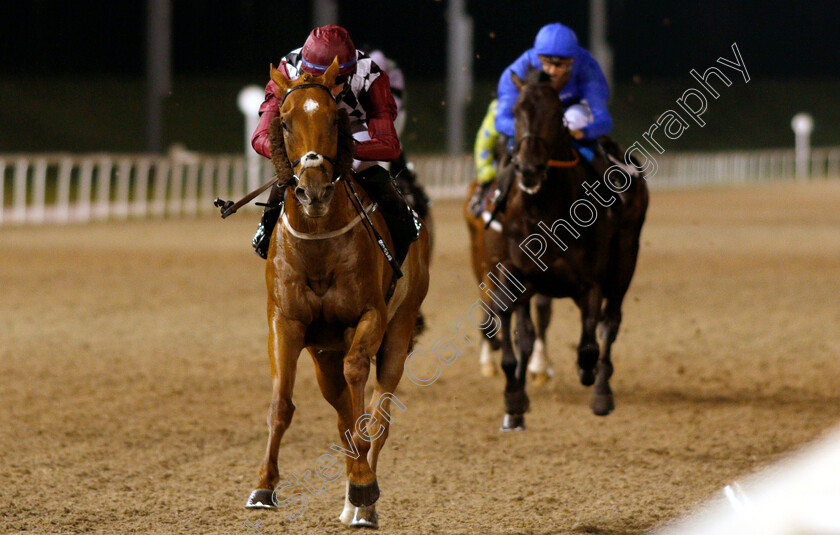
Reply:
x=363, y=90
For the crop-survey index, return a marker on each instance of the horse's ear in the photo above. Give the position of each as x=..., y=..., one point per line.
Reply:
x=517, y=81
x=279, y=80
x=331, y=73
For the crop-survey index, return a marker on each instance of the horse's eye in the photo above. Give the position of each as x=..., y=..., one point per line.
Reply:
x=283, y=124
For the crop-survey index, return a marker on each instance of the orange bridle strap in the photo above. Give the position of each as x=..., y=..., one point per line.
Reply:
x=560, y=163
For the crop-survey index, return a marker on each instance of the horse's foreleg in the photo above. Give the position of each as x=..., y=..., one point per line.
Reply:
x=602, y=398
x=390, y=363
x=525, y=340
x=285, y=342
x=588, y=349
x=363, y=489
x=489, y=343
x=625, y=251
x=486, y=363
x=329, y=369
x=516, y=400
x=540, y=365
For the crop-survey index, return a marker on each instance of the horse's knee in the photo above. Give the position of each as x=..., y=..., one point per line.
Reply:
x=508, y=358
x=526, y=343
x=280, y=413
x=356, y=367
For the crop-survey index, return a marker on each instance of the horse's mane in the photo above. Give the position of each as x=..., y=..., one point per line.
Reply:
x=536, y=76
x=280, y=160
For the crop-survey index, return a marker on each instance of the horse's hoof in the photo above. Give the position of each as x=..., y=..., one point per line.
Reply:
x=363, y=495
x=488, y=369
x=539, y=379
x=260, y=499
x=513, y=422
x=364, y=517
x=602, y=404
x=587, y=377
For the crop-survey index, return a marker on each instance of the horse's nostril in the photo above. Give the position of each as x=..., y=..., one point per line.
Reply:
x=328, y=190
x=300, y=193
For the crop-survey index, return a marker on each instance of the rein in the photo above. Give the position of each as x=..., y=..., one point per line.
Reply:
x=501, y=200
x=329, y=234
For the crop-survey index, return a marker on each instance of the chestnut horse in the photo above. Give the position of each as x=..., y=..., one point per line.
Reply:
x=555, y=248
x=327, y=283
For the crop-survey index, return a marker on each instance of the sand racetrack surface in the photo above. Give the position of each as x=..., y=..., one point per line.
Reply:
x=134, y=381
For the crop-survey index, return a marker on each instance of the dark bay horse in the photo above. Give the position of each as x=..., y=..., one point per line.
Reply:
x=327, y=283
x=486, y=248
x=560, y=240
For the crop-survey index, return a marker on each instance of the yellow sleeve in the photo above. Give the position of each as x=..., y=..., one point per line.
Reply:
x=485, y=146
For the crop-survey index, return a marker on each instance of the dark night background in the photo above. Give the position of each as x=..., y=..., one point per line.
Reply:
x=90, y=56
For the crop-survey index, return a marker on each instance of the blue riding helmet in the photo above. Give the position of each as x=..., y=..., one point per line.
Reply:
x=556, y=40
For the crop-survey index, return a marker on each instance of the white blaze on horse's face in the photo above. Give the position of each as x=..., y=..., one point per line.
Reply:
x=311, y=159
x=310, y=106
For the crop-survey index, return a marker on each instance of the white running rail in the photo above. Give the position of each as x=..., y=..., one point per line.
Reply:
x=69, y=188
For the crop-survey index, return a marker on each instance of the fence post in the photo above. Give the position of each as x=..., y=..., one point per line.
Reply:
x=802, y=124
x=122, y=201
x=65, y=173
x=103, y=188
x=85, y=183
x=19, y=195
x=39, y=191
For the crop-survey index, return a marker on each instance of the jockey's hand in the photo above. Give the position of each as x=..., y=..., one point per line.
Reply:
x=577, y=134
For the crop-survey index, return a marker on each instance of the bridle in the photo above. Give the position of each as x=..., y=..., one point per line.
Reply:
x=550, y=162
x=336, y=177
x=362, y=211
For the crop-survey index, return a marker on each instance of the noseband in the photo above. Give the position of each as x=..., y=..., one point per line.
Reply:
x=295, y=163
x=549, y=163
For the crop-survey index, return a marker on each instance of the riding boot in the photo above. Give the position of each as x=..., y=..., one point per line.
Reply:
x=504, y=181
x=476, y=204
x=273, y=208
x=400, y=218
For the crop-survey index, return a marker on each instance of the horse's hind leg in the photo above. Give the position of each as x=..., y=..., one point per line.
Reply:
x=588, y=349
x=516, y=399
x=540, y=366
x=285, y=344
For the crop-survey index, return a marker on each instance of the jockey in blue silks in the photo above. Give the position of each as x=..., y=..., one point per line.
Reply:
x=576, y=76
